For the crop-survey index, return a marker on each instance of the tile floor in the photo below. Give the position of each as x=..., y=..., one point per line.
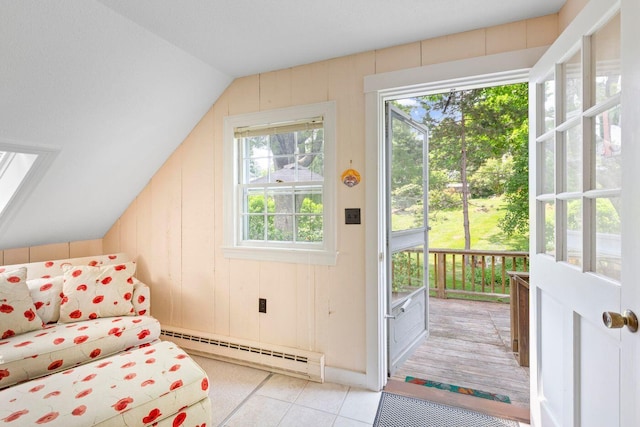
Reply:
x=243, y=397
x=247, y=397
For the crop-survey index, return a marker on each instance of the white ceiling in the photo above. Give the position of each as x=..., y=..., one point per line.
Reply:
x=116, y=85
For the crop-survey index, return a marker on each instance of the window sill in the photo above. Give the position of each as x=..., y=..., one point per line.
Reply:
x=315, y=257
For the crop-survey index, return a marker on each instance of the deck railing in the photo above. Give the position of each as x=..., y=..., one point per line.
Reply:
x=459, y=272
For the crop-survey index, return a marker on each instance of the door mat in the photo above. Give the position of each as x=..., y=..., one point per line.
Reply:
x=458, y=389
x=401, y=411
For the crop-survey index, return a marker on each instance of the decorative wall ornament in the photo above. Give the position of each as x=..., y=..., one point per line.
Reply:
x=350, y=177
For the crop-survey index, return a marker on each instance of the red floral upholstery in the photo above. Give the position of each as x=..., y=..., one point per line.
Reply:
x=61, y=346
x=138, y=387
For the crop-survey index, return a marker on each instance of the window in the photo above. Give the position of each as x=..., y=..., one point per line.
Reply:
x=21, y=167
x=279, y=185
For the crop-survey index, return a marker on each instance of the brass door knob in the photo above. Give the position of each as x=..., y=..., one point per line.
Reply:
x=614, y=320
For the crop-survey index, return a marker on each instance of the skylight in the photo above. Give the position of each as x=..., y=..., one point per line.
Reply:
x=14, y=167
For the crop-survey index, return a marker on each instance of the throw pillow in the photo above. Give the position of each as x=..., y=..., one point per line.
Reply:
x=91, y=292
x=17, y=312
x=45, y=293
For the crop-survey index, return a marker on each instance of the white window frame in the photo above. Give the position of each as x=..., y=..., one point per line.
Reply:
x=20, y=172
x=233, y=246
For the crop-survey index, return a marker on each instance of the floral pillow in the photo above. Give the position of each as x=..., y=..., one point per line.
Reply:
x=90, y=292
x=17, y=312
x=45, y=293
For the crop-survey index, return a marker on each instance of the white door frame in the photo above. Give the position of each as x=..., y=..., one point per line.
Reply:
x=504, y=68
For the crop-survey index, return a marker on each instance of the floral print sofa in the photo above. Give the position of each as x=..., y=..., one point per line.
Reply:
x=76, y=334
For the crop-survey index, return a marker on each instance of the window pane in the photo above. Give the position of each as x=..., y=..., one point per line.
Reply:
x=574, y=232
x=254, y=227
x=573, y=159
x=607, y=147
x=308, y=202
x=407, y=268
x=407, y=179
x=280, y=228
x=309, y=228
x=606, y=53
x=549, y=227
x=280, y=201
x=256, y=159
x=254, y=201
x=548, y=167
x=573, y=85
x=549, y=88
x=608, y=247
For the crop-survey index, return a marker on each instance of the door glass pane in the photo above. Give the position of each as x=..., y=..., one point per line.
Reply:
x=549, y=93
x=573, y=85
x=608, y=248
x=548, y=166
x=573, y=235
x=407, y=179
x=407, y=272
x=605, y=45
x=548, y=227
x=573, y=159
x=607, y=147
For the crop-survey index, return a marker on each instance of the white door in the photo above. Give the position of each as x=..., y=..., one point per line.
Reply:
x=585, y=181
x=407, y=281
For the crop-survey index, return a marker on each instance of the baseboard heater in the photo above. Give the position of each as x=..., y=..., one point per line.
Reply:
x=289, y=361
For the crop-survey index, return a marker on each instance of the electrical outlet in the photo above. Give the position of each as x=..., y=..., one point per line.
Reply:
x=262, y=305
x=352, y=216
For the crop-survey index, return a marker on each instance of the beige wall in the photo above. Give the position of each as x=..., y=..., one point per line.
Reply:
x=174, y=226
x=50, y=252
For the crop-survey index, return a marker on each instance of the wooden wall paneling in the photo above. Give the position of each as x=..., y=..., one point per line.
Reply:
x=16, y=256
x=275, y=89
x=128, y=230
x=506, y=38
x=453, y=47
x=221, y=297
x=49, y=252
x=1, y=257
x=243, y=96
x=244, y=291
x=278, y=285
x=305, y=307
x=197, y=227
x=111, y=240
x=398, y=57
x=166, y=251
x=323, y=276
x=568, y=12
x=143, y=237
x=85, y=248
x=542, y=31
x=309, y=84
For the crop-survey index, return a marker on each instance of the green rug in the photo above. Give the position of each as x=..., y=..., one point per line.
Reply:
x=458, y=389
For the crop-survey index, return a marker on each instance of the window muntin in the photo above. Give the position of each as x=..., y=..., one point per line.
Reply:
x=279, y=205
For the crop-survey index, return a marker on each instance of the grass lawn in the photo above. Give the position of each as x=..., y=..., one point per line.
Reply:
x=447, y=231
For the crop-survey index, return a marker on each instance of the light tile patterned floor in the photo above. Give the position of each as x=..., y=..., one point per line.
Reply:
x=247, y=397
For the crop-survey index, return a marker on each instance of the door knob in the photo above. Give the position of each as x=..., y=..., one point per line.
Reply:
x=614, y=320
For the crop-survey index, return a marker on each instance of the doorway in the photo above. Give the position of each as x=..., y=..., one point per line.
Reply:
x=473, y=183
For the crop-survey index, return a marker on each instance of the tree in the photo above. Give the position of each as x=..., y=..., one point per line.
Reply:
x=471, y=127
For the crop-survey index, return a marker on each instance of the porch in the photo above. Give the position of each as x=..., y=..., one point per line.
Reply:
x=470, y=346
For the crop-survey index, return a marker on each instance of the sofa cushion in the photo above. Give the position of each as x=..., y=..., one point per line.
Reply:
x=93, y=292
x=138, y=387
x=17, y=312
x=45, y=293
x=61, y=346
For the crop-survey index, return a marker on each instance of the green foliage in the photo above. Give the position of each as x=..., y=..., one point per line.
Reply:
x=309, y=223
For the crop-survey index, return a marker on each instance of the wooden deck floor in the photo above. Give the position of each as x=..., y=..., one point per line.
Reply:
x=469, y=346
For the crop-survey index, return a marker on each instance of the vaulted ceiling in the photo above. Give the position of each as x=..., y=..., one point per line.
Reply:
x=114, y=86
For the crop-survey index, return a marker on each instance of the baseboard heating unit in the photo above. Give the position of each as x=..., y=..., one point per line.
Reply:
x=284, y=360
